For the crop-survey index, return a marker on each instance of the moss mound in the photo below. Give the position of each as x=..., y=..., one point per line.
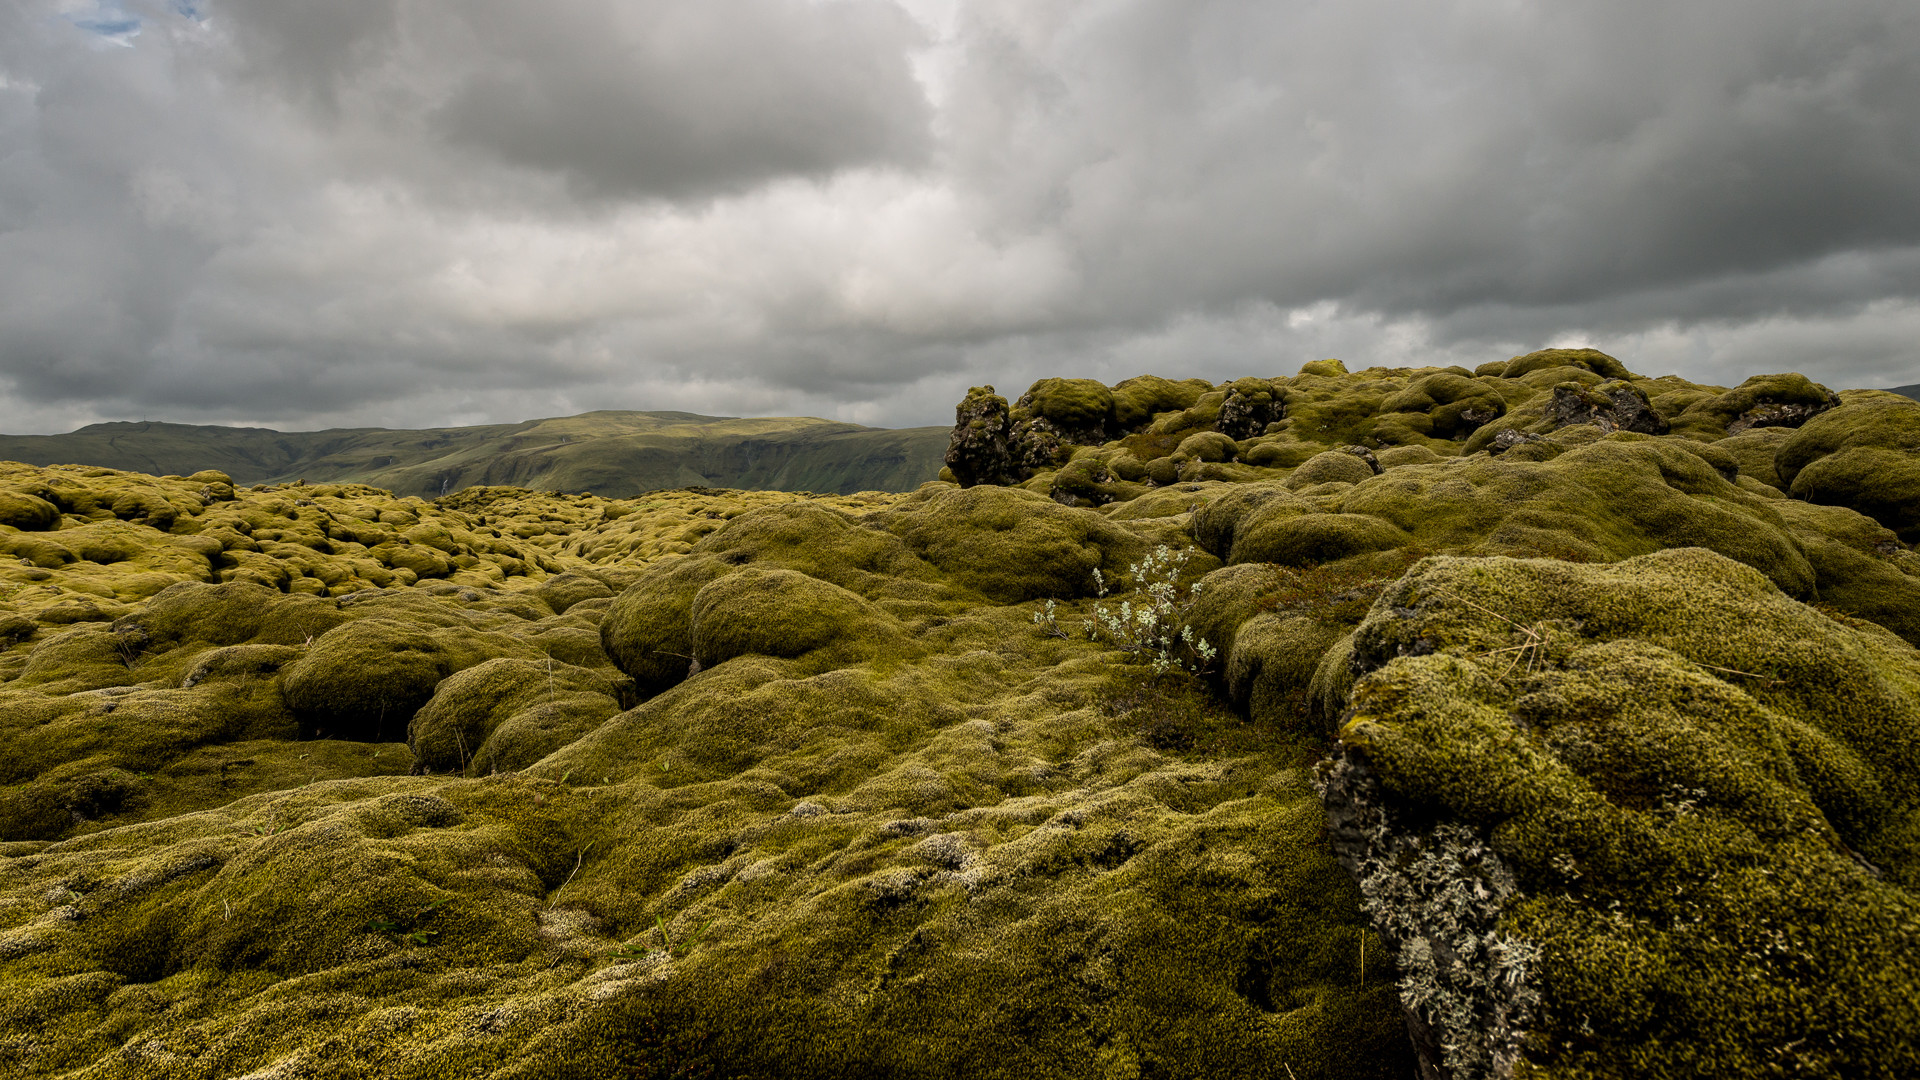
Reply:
x=648, y=629
x=365, y=679
x=506, y=714
x=1011, y=545
x=1663, y=775
x=784, y=613
x=1864, y=455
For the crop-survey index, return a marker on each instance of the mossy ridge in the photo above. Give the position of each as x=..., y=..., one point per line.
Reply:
x=1771, y=435
x=1685, y=772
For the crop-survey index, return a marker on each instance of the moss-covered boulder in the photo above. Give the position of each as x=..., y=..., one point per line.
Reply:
x=1592, y=360
x=1865, y=455
x=1786, y=400
x=787, y=614
x=1622, y=495
x=365, y=679
x=648, y=630
x=1333, y=467
x=1651, y=818
x=232, y=613
x=824, y=543
x=563, y=591
x=505, y=714
x=1079, y=410
x=27, y=512
x=1012, y=545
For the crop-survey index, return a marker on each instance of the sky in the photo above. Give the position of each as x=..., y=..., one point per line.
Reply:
x=412, y=213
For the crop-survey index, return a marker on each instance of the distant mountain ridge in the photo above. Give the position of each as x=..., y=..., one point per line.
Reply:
x=610, y=453
x=1910, y=391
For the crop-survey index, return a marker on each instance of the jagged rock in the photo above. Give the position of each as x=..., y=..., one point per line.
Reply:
x=1611, y=406
x=1035, y=443
x=1508, y=438
x=978, y=451
x=1250, y=406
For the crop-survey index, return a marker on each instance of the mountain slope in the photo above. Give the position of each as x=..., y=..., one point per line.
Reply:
x=617, y=454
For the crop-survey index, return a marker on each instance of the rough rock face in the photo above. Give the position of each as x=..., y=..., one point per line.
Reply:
x=1249, y=407
x=1611, y=406
x=977, y=452
x=1614, y=733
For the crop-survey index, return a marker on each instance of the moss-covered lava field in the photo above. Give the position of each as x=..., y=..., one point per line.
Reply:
x=1551, y=721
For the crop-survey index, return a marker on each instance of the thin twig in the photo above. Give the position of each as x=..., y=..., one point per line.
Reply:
x=576, y=869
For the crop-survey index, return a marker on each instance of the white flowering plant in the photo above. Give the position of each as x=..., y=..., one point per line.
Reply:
x=1151, y=622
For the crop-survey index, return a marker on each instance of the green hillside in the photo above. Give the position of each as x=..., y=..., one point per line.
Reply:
x=617, y=454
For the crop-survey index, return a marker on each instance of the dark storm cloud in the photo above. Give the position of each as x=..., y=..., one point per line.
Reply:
x=676, y=99
x=630, y=98
x=409, y=212
x=1421, y=157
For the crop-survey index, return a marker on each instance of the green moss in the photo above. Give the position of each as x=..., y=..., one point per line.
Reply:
x=1753, y=452
x=364, y=680
x=1138, y=400
x=1332, y=466
x=1679, y=765
x=1310, y=539
x=1763, y=400
x=826, y=544
x=648, y=630
x=505, y=714
x=233, y=613
x=1271, y=666
x=1592, y=360
x=1070, y=404
x=563, y=591
x=891, y=824
x=1393, y=457
x=1218, y=526
x=27, y=512
x=1621, y=495
x=1012, y=545
x=1864, y=455
x=1279, y=451
x=784, y=613
x=34, y=550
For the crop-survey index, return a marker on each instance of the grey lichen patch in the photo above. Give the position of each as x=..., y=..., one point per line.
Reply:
x=1437, y=896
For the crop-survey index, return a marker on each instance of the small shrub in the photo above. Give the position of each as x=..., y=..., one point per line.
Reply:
x=1151, y=622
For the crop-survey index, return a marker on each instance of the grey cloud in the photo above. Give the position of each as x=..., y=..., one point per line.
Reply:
x=1420, y=157
x=408, y=211
x=623, y=98
x=676, y=98
x=311, y=51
